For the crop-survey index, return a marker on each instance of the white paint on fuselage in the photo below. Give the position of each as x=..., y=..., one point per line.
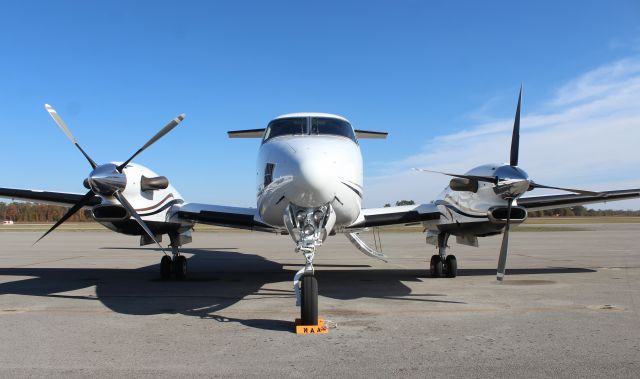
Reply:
x=310, y=171
x=150, y=205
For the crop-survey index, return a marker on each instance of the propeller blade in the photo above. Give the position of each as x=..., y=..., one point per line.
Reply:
x=136, y=216
x=515, y=137
x=489, y=179
x=84, y=201
x=578, y=191
x=504, y=248
x=167, y=128
x=63, y=126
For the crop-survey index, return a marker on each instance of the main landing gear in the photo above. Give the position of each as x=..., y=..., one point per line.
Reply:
x=176, y=265
x=443, y=265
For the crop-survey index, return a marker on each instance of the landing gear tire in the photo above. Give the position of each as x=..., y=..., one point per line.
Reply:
x=436, y=267
x=451, y=266
x=165, y=267
x=180, y=267
x=309, y=301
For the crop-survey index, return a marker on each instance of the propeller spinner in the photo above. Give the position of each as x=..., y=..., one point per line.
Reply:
x=107, y=179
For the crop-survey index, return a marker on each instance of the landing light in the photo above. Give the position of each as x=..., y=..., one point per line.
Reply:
x=318, y=216
x=300, y=216
x=308, y=230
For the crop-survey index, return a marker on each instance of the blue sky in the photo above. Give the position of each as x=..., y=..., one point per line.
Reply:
x=441, y=78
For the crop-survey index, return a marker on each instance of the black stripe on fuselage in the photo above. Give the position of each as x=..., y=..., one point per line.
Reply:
x=353, y=189
x=167, y=205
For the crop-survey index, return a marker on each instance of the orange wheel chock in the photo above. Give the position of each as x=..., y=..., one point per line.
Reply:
x=321, y=328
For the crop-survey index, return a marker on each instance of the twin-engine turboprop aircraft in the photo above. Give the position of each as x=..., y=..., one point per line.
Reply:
x=310, y=186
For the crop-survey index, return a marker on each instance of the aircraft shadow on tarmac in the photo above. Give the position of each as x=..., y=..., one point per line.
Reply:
x=220, y=278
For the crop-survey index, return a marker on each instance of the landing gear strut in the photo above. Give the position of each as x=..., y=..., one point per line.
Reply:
x=442, y=264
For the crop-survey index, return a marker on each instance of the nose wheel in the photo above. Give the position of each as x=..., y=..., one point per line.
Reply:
x=309, y=300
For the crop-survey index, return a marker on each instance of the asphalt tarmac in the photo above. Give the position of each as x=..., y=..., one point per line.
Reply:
x=91, y=304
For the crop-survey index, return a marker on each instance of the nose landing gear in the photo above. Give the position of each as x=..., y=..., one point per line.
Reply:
x=308, y=227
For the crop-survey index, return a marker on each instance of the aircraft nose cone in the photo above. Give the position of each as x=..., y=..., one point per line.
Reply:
x=314, y=183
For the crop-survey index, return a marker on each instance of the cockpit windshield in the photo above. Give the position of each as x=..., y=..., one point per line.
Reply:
x=291, y=126
x=286, y=127
x=332, y=126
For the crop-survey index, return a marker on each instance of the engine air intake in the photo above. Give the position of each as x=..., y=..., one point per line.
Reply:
x=498, y=215
x=110, y=213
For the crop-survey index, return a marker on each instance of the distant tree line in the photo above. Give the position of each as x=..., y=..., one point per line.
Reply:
x=582, y=211
x=29, y=212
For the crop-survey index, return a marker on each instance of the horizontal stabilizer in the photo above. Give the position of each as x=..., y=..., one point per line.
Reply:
x=370, y=134
x=247, y=133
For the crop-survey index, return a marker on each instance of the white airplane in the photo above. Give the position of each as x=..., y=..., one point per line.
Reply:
x=310, y=186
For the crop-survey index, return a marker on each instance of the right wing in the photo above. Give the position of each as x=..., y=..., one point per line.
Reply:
x=219, y=215
x=538, y=203
x=400, y=215
x=46, y=197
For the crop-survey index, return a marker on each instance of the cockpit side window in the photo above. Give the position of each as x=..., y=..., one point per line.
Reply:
x=286, y=127
x=332, y=126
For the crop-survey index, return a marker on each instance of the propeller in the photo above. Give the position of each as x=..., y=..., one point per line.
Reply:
x=578, y=191
x=504, y=248
x=488, y=179
x=63, y=126
x=107, y=179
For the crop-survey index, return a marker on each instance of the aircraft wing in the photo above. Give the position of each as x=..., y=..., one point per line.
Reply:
x=46, y=197
x=401, y=215
x=219, y=215
x=539, y=203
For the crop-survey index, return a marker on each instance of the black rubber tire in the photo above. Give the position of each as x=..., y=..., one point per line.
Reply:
x=309, y=303
x=451, y=266
x=432, y=262
x=180, y=267
x=165, y=267
x=436, y=267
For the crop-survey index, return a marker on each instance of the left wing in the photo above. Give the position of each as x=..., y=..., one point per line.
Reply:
x=401, y=215
x=46, y=197
x=232, y=217
x=538, y=203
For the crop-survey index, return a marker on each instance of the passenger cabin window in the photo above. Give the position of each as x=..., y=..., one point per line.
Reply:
x=286, y=127
x=332, y=126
